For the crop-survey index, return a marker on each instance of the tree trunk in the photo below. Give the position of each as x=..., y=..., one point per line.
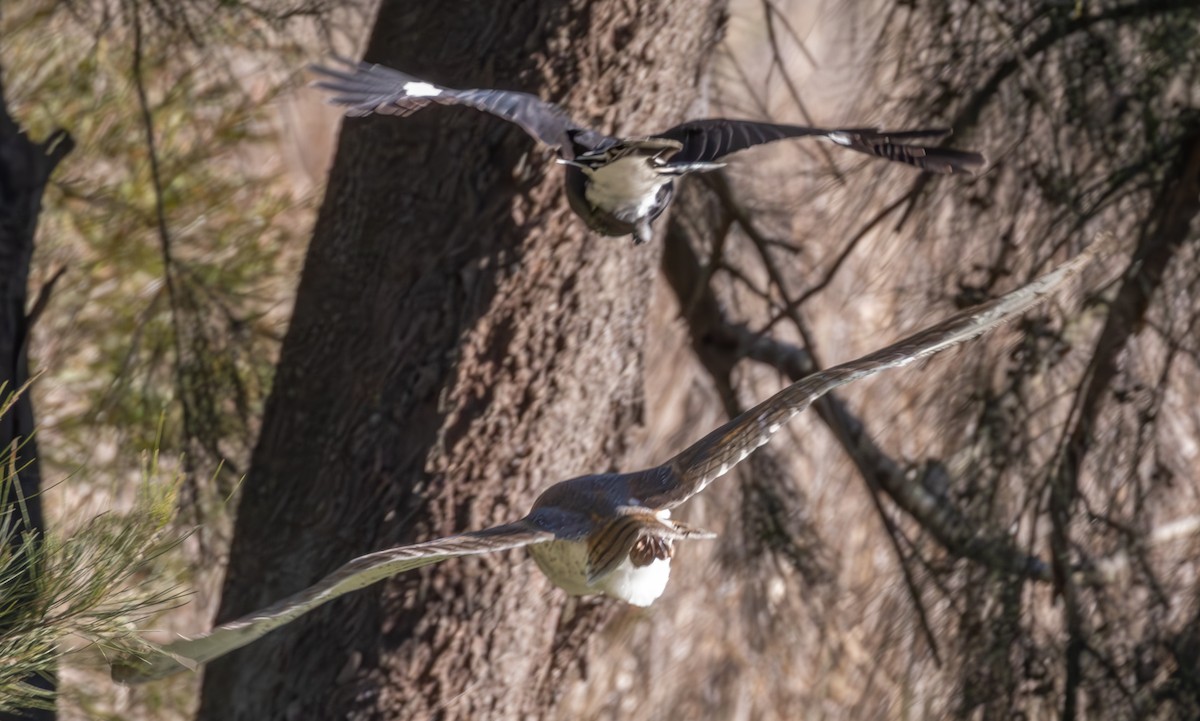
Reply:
x=25, y=168
x=459, y=343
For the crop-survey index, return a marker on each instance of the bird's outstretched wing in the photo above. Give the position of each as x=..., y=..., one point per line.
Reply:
x=365, y=89
x=706, y=141
x=359, y=573
x=712, y=456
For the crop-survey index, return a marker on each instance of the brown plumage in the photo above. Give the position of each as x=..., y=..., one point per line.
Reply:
x=609, y=533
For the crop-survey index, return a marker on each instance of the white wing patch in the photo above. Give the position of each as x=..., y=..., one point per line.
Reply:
x=839, y=138
x=418, y=89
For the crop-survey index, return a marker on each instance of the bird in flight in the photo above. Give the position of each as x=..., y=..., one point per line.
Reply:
x=610, y=533
x=620, y=185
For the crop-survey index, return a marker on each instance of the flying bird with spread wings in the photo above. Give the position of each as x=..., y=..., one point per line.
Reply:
x=620, y=185
x=610, y=533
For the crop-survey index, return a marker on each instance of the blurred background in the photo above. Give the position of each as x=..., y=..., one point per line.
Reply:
x=1006, y=531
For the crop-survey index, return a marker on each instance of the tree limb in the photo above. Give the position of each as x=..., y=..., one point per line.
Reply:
x=720, y=343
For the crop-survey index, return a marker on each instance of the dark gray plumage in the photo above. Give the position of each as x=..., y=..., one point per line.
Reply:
x=620, y=185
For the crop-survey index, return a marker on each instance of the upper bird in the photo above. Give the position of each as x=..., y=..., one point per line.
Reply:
x=608, y=533
x=620, y=185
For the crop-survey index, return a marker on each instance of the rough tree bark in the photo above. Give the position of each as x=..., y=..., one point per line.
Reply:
x=459, y=343
x=25, y=168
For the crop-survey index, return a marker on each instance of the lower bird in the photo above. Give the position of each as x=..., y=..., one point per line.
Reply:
x=620, y=185
x=610, y=533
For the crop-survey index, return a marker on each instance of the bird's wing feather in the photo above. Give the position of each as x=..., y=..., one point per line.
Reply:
x=706, y=141
x=365, y=89
x=358, y=573
x=712, y=456
x=609, y=546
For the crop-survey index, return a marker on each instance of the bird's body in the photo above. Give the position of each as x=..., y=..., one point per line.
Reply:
x=636, y=585
x=609, y=533
x=619, y=186
x=621, y=193
x=628, y=187
x=607, y=540
x=565, y=563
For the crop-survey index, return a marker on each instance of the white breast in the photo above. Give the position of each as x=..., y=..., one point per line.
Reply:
x=626, y=187
x=565, y=564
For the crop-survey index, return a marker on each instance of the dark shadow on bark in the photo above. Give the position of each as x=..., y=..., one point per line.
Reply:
x=459, y=342
x=25, y=168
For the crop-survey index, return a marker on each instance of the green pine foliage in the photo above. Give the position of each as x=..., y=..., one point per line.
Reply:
x=177, y=283
x=80, y=595
x=172, y=237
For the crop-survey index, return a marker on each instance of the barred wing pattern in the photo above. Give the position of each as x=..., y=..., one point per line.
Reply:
x=367, y=89
x=358, y=573
x=706, y=141
x=712, y=456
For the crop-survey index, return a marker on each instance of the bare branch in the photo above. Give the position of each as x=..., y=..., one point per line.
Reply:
x=720, y=344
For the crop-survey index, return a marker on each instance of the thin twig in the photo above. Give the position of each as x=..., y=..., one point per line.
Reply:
x=160, y=213
x=43, y=298
x=838, y=262
x=793, y=91
x=721, y=344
